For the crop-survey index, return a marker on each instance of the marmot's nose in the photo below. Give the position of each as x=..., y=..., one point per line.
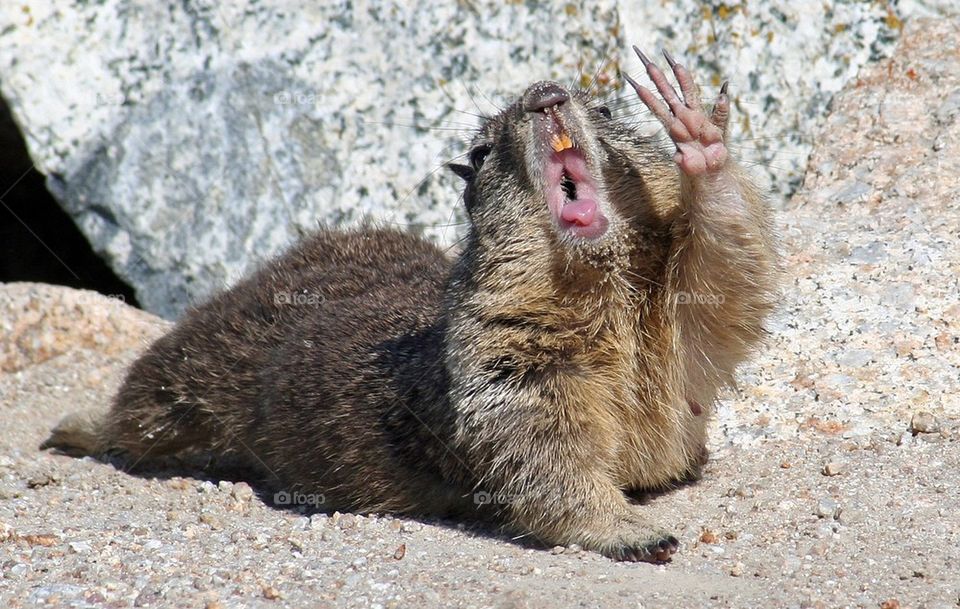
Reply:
x=544, y=94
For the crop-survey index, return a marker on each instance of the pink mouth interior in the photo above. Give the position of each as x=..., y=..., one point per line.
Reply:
x=572, y=194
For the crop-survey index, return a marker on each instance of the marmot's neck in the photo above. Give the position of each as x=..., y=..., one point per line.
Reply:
x=540, y=289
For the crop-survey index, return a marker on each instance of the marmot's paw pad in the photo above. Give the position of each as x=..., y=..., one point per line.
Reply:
x=698, y=137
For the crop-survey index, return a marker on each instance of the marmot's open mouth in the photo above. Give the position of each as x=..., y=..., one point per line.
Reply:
x=571, y=191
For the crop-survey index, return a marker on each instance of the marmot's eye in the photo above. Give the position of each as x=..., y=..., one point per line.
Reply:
x=478, y=155
x=604, y=111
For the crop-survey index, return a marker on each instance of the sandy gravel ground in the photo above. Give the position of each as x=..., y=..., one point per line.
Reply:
x=834, y=479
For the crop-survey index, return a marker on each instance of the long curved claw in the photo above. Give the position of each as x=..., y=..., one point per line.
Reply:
x=660, y=81
x=720, y=115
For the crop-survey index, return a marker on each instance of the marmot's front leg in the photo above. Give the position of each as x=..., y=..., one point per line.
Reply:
x=554, y=486
x=722, y=274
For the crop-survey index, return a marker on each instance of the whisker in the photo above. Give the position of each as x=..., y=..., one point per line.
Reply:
x=453, y=213
x=429, y=175
x=482, y=117
x=418, y=127
x=596, y=74
x=455, y=244
x=776, y=153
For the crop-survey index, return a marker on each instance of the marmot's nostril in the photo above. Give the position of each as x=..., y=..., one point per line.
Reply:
x=544, y=94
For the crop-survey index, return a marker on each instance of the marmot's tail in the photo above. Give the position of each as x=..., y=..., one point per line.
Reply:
x=138, y=429
x=78, y=434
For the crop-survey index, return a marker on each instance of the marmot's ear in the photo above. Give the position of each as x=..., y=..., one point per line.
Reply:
x=464, y=171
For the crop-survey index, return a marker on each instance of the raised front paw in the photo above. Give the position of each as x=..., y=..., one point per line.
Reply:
x=698, y=137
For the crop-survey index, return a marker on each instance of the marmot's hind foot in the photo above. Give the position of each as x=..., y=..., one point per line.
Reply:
x=77, y=434
x=633, y=539
x=654, y=551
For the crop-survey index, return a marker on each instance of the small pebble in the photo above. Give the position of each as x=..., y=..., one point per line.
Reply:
x=179, y=484
x=271, y=593
x=210, y=520
x=825, y=530
x=147, y=597
x=41, y=480
x=851, y=515
x=241, y=491
x=905, y=439
x=737, y=569
x=924, y=422
x=834, y=468
x=827, y=507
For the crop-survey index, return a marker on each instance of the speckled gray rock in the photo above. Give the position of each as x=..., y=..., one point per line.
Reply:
x=189, y=141
x=869, y=330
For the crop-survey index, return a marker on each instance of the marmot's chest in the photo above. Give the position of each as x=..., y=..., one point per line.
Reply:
x=654, y=449
x=658, y=437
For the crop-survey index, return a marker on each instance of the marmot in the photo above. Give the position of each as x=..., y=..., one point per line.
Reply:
x=606, y=291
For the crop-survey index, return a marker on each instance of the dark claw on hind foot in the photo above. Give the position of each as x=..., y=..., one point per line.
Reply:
x=656, y=552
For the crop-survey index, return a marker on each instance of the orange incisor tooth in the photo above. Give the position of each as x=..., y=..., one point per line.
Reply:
x=561, y=142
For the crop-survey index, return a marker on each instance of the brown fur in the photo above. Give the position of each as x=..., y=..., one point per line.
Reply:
x=546, y=375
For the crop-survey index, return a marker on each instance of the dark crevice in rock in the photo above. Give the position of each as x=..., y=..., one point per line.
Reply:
x=38, y=240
